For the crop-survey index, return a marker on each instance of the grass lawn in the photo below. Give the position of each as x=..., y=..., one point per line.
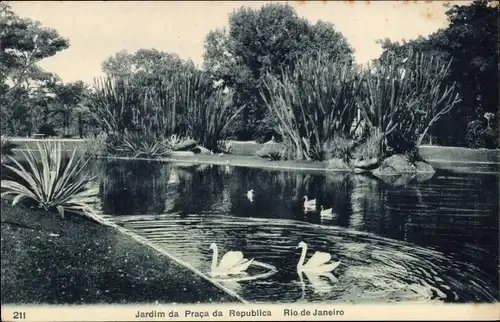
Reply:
x=49, y=260
x=459, y=154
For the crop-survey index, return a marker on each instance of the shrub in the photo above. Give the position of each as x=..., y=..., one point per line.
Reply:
x=370, y=147
x=96, y=145
x=275, y=155
x=185, y=103
x=51, y=183
x=143, y=145
x=339, y=147
x=224, y=146
x=173, y=140
x=482, y=134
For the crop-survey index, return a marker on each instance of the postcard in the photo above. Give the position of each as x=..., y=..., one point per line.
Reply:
x=249, y=160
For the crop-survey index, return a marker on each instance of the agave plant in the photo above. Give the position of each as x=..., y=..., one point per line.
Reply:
x=173, y=140
x=52, y=184
x=275, y=155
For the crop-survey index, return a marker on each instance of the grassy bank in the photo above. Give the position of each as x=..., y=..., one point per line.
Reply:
x=458, y=154
x=48, y=260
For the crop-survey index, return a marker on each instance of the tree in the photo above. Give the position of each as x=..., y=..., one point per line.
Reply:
x=268, y=39
x=68, y=99
x=23, y=43
x=146, y=66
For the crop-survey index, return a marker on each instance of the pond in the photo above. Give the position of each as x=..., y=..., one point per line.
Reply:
x=435, y=240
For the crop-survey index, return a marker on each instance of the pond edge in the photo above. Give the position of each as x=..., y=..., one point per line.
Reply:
x=162, y=251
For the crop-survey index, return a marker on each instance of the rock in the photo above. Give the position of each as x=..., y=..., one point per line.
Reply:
x=398, y=179
x=424, y=176
x=201, y=150
x=365, y=164
x=394, y=165
x=203, y=166
x=337, y=164
x=186, y=145
x=269, y=149
x=424, y=167
x=360, y=170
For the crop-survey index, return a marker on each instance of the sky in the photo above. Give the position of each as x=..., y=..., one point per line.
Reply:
x=97, y=30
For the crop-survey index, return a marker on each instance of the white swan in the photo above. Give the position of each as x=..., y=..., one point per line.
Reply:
x=232, y=263
x=318, y=284
x=270, y=141
x=250, y=195
x=309, y=205
x=317, y=263
x=326, y=213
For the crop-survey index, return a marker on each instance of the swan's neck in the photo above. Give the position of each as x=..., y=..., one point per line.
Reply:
x=303, y=285
x=302, y=258
x=305, y=199
x=214, y=258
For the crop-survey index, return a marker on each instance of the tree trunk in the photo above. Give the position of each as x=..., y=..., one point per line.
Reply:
x=80, y=126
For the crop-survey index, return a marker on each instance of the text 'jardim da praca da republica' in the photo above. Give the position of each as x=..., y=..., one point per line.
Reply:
x=201, y=313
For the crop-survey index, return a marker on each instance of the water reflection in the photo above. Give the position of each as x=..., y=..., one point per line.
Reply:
x=456, y=215
x=130, y=187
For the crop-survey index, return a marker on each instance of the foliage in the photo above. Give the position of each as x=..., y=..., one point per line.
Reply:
x=183, y=103
x=483, y=133
x=406, y=96
x=369, y=147
x=275, y=155
x=209, y=111
x=143, y=145
x=30, y=96
x=7, y=146
x=312, y=103
x=173, y=140
x=339, y=147
x=52, y=183
x=471, y=41
x=96, y=145
x=68, y=105
x=24, y=43
x=47, y=130
x=145, y=65
x=225, y=146
x=261, y=41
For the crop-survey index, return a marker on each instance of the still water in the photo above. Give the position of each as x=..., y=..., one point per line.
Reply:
x=427, y=240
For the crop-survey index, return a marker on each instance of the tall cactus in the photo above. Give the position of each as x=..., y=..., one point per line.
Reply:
x=186, y=103
x=312, y=103
x=406, y=95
